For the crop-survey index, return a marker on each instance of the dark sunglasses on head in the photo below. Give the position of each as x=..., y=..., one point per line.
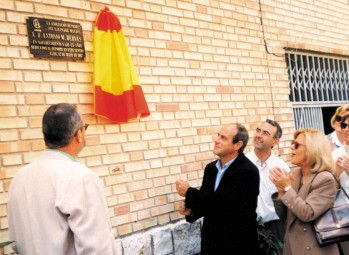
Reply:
x=338, y=118
x=344, y=125
x=296, y=144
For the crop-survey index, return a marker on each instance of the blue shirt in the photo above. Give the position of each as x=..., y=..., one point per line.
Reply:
x=221, y=171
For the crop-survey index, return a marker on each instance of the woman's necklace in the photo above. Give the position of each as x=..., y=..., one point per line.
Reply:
x=304, y=179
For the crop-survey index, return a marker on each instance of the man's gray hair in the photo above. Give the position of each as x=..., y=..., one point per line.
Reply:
x=60, y=124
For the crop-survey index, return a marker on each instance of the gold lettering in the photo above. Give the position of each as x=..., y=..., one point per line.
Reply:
x=57, y=48
x=73, y=38
x=74, y=31
x=51, y=36
x=38, y=47
x=61, y=29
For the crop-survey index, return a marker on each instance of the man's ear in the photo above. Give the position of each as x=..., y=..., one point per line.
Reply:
x=78, y=136
x=238, y=145
x=276, y=141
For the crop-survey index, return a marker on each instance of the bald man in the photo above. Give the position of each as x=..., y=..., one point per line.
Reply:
x=227, y=198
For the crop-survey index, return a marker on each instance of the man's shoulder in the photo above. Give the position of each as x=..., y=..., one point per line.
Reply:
x=278, y=161
x=247, y=168
x=64, y=167
x=24, y=170
x=250, y=155
x=245, y=162
x=332, y=135
x=210, y=169
x=212, y=164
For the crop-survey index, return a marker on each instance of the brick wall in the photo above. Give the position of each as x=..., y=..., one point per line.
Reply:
x=201, y=64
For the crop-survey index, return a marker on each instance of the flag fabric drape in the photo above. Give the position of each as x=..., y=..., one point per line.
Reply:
x=118, y=95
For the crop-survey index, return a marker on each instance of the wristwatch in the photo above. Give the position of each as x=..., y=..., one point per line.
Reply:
x=287, y=188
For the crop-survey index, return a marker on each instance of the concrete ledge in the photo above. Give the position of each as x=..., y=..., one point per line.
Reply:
x=173, y=239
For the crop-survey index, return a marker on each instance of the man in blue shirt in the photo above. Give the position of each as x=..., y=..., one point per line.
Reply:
x=227, y=198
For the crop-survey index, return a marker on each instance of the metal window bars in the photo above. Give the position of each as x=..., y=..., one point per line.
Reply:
x=316, y=81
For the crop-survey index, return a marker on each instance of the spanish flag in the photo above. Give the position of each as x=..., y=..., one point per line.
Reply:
x=118, y=95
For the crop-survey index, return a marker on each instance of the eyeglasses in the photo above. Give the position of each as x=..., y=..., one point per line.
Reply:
x=344, y=125
x=264, y=132
x=84, y=127
x=296, y=144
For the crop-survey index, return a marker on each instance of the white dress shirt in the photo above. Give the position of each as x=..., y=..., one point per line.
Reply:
x=333, y=138
x=343, y=178
x=265, y=207
x=57, y=206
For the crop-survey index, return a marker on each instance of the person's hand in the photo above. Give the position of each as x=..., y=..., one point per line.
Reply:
x=182, y=210
x=343, y=164
x=182, y=187
x=280, y=178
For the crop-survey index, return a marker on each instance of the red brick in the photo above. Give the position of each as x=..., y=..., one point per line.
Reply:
x=167, y=107
x=177, y=46
x=224, y=90
x=122, y=209
x=157, y=26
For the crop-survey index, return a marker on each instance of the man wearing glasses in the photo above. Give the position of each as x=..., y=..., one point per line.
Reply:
x=267, y=136
x=56, y=205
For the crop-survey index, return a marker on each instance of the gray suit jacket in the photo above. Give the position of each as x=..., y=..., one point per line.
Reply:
x=300, y=206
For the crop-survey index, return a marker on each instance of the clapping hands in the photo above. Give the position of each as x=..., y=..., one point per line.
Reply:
x=280, y=178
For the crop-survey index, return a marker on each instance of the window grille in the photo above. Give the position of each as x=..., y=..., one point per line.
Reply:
x=307, y=117
x=316, y=81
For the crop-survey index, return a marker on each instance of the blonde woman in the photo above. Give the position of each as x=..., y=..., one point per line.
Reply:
x=336, y=137
x=306, y=193
x=341, y=157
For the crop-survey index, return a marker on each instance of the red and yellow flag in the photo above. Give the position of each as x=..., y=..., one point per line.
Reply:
x=118, y=95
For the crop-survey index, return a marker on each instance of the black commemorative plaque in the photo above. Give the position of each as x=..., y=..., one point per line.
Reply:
x=56, y=39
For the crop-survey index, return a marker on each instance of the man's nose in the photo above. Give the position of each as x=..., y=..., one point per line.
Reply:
x=215, y=138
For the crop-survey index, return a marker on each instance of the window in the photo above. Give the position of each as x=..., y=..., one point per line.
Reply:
x=318, y=85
